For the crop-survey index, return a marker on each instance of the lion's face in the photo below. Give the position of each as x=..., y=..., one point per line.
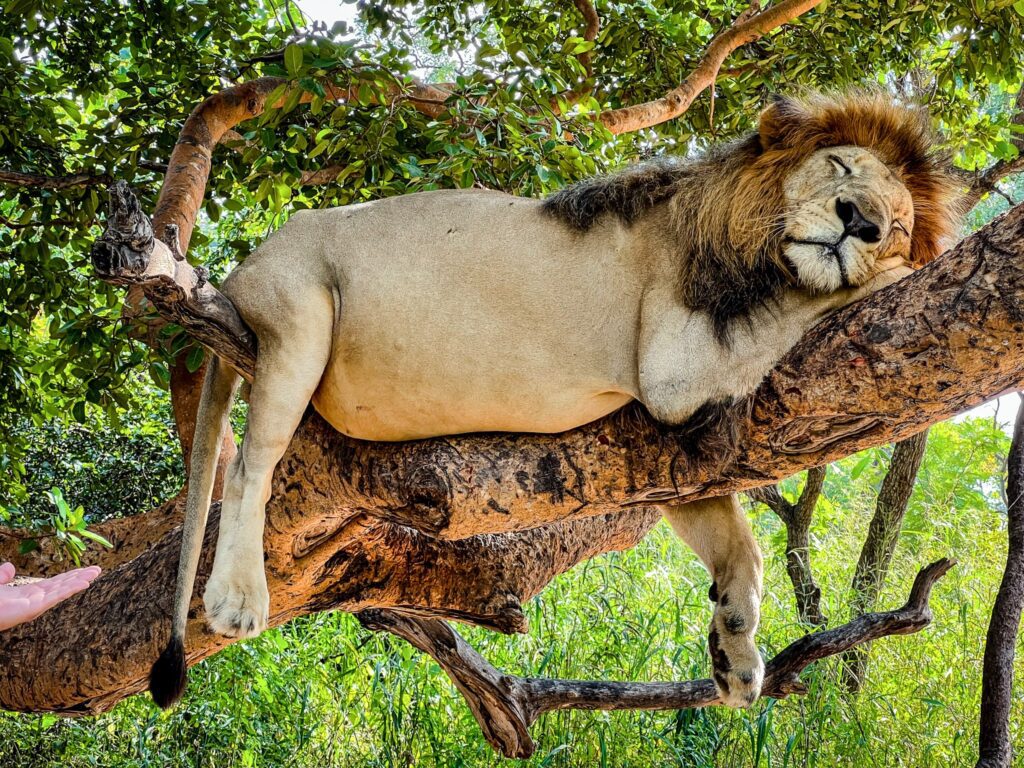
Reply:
x=847, y=218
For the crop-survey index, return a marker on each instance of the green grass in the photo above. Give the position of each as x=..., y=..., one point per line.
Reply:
x=323, y=692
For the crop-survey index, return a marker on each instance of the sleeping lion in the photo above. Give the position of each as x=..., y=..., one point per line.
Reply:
x=677, y=283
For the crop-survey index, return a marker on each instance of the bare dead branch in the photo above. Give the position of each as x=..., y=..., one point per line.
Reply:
x=505, y=706
x=994, y=747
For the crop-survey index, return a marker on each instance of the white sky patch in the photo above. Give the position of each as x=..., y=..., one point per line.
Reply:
x=1001, y=410
x=328, y=11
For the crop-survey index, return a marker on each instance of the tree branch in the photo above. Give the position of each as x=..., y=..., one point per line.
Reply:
x=880, y=542
x=93, y=650
x=797, y=519
x=981, y=182
x=39, y=181
x=593, y=26
x=747, y=28
x=505, y=706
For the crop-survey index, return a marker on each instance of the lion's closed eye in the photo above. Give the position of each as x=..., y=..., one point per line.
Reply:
x=840, y=165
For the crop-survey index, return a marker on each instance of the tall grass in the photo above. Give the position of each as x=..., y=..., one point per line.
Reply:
x=322, y=691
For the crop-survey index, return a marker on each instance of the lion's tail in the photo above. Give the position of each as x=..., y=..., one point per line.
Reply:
x=167, y=677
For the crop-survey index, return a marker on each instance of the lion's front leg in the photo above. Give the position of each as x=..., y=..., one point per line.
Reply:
x=718, y=531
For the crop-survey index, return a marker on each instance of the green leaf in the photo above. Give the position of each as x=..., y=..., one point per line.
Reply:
x=293, y=59
x=864, y=463
x=96, y=537
x=195, y=358
x=27, y=545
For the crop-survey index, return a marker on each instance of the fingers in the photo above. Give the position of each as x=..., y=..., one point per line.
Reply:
x=55, y=593
x=26, y=601
x=78, y=574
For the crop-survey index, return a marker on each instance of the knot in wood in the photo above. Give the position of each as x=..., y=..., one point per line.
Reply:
x=124, y=248
x=812, y=434
x=428, y=499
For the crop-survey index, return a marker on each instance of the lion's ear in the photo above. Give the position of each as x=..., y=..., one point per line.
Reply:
x=779, y=121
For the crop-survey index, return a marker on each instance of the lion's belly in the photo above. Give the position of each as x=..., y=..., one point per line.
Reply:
x=466, y=363
x=404, y=408
x=464, y=322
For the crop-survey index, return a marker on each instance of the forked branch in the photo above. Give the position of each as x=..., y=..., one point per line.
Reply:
x=748, y=27
x=505, y=706
x=796, y=517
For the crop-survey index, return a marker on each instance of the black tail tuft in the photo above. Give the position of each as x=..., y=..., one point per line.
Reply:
x=167, y=677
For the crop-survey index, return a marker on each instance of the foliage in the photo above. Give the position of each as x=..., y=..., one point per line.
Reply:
x=321, y=691
x=108, y=471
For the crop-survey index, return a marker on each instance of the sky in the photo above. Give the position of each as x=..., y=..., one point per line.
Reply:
x=328, y=11
x=1003, y=409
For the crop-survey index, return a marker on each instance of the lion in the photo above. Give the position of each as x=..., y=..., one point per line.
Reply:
x=676, y=282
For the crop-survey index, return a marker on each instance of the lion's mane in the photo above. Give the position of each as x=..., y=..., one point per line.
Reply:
x=727, y=205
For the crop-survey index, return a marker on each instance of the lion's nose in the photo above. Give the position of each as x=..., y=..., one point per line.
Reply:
x=854, y=222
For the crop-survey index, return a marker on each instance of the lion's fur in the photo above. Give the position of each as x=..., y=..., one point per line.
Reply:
x=727, y=205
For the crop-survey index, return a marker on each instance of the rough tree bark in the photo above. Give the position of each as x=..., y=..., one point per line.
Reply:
x=880, y=543
x=994, y=747
x=796, y=517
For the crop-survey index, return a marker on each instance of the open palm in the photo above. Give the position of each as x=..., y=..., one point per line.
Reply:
x=23, y=602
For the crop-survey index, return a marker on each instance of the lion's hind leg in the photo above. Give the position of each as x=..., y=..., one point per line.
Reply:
x=717, y=530
x=289, y=366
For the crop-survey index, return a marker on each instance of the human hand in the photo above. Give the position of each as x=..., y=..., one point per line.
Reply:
x=23, y=602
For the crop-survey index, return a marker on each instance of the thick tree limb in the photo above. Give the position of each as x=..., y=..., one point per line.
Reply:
x=96, y=648
x=593, y=26
x=939, y=342
x=747, y=28
x=505, y=706
x=880, y=542
x=796, y=516
x=994, y=747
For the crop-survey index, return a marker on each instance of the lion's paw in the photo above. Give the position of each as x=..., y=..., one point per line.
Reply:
x=237, y=607
x=737, y=667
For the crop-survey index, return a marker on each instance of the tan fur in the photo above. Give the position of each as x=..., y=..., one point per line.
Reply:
x=459, y=311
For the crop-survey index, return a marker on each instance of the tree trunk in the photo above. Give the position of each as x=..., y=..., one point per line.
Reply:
x=796, y=517
x=880, y=542
x=994, y=747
